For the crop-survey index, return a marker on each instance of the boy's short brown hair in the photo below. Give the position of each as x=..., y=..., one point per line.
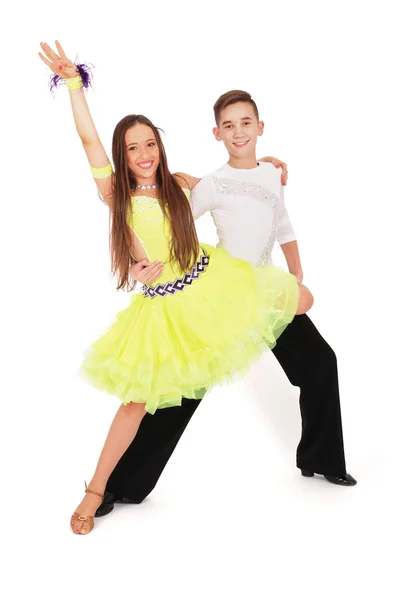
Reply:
x=232, y=98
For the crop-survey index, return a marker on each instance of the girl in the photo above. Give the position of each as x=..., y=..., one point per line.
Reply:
x=205, y=318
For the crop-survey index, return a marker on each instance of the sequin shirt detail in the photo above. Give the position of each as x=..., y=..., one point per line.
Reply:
x=247, y=206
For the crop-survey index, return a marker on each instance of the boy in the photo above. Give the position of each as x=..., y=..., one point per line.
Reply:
x=246, y=200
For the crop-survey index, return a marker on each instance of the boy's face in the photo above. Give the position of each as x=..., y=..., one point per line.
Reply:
x=239, y=128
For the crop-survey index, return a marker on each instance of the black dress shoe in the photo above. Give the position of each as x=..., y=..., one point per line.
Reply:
x=347, y=480
x=107, y=505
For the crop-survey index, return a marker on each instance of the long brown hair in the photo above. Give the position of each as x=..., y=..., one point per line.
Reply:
x=184, y=245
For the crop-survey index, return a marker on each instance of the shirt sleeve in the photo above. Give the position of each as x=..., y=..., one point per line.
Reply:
x=285, y=230
x=203, y=197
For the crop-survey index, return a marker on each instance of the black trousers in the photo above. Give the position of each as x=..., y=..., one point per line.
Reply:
x=309, y=364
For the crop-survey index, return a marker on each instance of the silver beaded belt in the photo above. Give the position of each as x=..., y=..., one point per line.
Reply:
x=180, y=283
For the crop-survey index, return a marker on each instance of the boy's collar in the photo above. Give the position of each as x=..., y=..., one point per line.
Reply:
x=243, y=168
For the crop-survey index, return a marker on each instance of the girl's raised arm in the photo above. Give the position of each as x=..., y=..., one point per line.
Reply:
x=97, y=157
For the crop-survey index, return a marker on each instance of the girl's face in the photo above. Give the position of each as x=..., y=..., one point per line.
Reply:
x=142, y=153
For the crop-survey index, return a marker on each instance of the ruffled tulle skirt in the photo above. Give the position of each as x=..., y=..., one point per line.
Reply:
x=164, y=348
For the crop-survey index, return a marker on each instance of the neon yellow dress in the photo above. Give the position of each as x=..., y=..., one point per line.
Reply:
x=189, y=331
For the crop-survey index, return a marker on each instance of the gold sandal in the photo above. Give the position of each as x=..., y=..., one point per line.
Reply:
x=89, y=520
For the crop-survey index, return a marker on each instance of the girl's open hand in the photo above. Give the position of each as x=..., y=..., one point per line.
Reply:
x=58, y=63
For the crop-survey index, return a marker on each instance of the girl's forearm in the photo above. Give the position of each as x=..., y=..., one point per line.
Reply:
x=83, y=119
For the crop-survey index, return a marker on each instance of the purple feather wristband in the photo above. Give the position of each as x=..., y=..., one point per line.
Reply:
x=83, y=70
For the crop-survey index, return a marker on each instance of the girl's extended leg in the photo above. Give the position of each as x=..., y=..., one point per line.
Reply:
x=122, y=431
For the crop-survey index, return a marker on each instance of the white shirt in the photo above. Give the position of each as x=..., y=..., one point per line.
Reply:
x=247, y=207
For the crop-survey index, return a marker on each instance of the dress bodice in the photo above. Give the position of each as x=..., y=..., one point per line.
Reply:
x=154, y=234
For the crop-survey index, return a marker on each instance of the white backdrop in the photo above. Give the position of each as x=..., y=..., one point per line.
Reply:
x=231, y=516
